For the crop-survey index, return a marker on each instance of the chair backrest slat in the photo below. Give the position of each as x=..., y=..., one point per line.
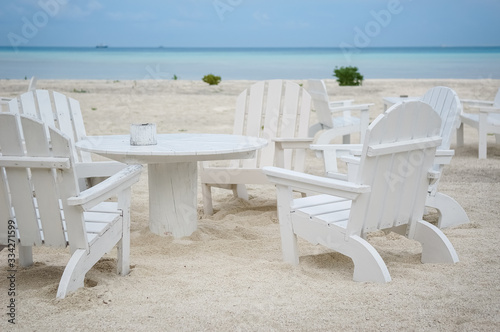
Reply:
x=319, y=94
x=19, y=182
x=270, y=109
x=57, y=110
x=43, y=181
x=45, y=107
x=398, y=178
x=447, y=104
x=37, y=193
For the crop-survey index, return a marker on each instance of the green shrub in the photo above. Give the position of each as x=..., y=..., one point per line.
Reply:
x=211, y=79
x=348, y=76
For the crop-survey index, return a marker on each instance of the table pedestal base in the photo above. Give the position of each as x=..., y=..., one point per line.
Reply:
x=173, y=198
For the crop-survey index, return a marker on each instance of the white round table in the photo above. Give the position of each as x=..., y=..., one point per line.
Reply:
x=172, y=170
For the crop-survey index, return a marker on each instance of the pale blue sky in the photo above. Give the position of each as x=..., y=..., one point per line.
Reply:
x=250, y=23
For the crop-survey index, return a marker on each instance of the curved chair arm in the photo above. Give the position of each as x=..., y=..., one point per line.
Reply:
x=312, y=183
x=283, y=143
x=358, y=107
x=108, y=188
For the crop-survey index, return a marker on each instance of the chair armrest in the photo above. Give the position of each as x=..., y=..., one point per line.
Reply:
x=489, y=109
x=476, y=103
x=337, y=103
x=292, y=143
x=330, y=153
x=98, y=169
x=303, y=182
x=443, y=157
x=108, y=188
x=281, y=144
x=358, y=107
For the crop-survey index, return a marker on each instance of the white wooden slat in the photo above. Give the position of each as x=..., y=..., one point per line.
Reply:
x=45, y=107
x=13, y=106
x=335, y=217
x=289, y=117
x=5, y=211
x=19, y=182
x=64, y=119
x=68, y=187
x=100, y=217
x=407, y=145
x=11, y=137
x=240, y=113
x=34, y=162
x=96, y=227
x=28, y=104
x=44, y=185
x=303, y=127
x=314, y=200
x=272, y=112
x=326, y=208
x=254, y=110
x=79, y=128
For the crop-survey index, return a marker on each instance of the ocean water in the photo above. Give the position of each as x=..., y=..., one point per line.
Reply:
x=247, y=63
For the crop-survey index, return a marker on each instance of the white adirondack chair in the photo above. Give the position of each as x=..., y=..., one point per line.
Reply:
x=447, y=104
x=486, y=122
x=62, y=112
x=41, y=204
x=388, y=194
x=334, y=117
x=277, y=111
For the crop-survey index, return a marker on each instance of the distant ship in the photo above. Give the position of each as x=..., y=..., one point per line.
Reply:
x=101, y=46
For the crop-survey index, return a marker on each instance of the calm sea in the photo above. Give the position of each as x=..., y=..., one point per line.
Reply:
x=247, y=63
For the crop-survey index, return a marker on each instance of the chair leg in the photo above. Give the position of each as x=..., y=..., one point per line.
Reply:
x=74, y=274
x=450, y=212
x=483, y=135
x=289, y=245
x=460, y=135
x=368, y=265
x=436, y=248
x=240, y=190
x=123, y=245
x=25, y=256
x=208, y=208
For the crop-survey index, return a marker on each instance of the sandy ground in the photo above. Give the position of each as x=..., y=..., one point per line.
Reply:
x=229, y=275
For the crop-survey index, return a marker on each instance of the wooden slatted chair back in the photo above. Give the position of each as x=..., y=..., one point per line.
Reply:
x=36, y=179
x=320, y=99
x=56, y=110
x=270, y=109
x=397, y=155
x=447, y=104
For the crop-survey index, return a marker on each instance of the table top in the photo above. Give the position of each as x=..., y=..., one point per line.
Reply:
x=172, y=148
x=394, y=100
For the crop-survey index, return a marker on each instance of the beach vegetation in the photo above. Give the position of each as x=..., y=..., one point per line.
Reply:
x=211, y=79
x=348, y=76
x=175, y=78
x=80, y=91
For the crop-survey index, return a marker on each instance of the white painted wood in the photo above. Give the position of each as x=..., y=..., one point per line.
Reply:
x=388, y=194
x=172, y=201
x=486, y=122
x=446, y=103
x=38, y=198
x=335, y=117
x=57, y=110
x=172, y=170
x=268, y=109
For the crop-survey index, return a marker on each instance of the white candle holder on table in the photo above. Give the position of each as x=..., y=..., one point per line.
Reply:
x=143, y=134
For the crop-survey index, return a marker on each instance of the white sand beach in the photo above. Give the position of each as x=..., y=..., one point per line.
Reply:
x=229, y=274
